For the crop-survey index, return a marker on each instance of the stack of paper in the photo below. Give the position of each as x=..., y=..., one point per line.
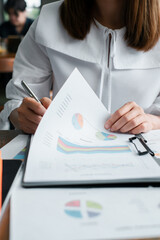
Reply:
x=71, y=146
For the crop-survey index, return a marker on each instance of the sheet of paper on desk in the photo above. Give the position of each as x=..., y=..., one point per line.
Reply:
x=15, y=149
x=71, y=143
x=153, y=141
x=108, y=213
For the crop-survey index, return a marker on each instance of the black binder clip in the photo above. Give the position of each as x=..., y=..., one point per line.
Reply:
x=143, y=142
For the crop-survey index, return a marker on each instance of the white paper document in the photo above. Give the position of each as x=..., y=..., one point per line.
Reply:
x=72, y=145
x=15, y=149
x=88, y=214
x=153, y=141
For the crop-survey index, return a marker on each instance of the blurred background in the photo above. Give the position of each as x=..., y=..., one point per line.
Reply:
x=33, y=8
x=12, y=32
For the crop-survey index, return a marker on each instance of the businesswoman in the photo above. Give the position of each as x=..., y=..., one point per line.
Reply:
x=114, y=44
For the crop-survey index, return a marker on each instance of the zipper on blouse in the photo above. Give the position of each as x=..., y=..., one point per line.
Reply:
x=109, y=74
x=106, y=64
x=109, y=49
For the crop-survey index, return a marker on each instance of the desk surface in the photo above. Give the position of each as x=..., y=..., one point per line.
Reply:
x=7, y=55
x=6, y=62
x=5, y=137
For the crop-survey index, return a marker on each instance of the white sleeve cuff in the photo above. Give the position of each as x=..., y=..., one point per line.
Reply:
x=8, y=108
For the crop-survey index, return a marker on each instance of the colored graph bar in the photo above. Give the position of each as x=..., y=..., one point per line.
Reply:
x=67, y=147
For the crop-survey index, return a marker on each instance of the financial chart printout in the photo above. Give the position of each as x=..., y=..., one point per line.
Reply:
x=71, y=143
x=86, y=214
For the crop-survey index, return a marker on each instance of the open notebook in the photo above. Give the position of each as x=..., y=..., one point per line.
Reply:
x=71, y=145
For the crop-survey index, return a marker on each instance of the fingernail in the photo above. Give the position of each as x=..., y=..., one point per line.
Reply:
x=112, y=129
x=106, y=125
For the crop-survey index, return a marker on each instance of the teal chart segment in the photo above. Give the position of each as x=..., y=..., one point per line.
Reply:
x=90, y=209
x=67, y=147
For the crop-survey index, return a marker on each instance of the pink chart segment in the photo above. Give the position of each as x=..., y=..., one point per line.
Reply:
x=67, y=147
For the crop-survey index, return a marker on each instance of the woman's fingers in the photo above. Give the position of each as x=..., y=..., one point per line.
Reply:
x=144, y=127
x=32, y=104
x=129, y=118
x=133, y=123
x=46, y=102
x=119, y=114
x=124, y=120
x=30, y=114
x=28, y=126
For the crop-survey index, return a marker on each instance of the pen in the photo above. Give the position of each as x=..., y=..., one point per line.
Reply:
x=29, y=91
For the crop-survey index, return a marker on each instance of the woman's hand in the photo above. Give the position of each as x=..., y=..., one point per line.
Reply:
x=132, y=119
x=29, y=114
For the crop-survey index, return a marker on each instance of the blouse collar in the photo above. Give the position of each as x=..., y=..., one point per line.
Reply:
x=55, y=37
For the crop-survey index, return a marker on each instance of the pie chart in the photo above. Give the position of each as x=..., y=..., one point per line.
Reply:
x=82, y=209
x=77, y=121
x=105, y=136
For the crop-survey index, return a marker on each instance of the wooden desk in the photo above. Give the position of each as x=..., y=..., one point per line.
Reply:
x=6, y=62
x=6, y=66
x=5, y=137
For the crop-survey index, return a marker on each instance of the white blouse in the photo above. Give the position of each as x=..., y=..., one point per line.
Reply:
x=117, y=73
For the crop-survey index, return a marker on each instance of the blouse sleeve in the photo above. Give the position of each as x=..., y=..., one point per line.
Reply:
x=155, y=107
x=31, y=65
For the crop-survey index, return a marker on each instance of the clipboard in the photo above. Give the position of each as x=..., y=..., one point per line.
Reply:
x=76, y=154
x=139, y=182
x=143, y=141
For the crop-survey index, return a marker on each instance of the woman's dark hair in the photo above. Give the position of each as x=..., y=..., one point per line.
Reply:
x=16, y=5
x=142, y=21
